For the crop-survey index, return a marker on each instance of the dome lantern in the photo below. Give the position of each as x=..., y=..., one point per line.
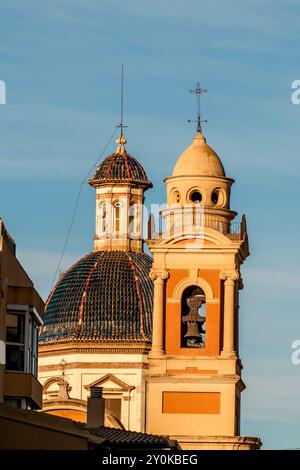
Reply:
x=120, y=182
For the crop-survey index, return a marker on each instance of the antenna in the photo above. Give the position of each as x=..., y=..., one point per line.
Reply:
x=122, y=94
x=121, y=125
x=198, y=92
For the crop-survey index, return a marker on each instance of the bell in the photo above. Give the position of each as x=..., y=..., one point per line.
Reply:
x=192, y=331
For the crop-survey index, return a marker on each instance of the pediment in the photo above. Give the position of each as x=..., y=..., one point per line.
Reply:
x=109, y=381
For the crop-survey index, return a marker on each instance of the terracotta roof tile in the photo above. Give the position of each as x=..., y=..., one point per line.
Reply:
x=125, y=439
x=120, y=168
x=105, y=297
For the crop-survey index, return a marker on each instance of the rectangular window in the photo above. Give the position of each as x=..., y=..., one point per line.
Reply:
x=15, y=340
x=114, y=406
x=103, y=217
x=23, y=403
x=13, y=402
x=22, y=324
x=117, y=219
x=15, y=327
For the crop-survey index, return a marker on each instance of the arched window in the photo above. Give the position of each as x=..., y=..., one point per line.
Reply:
x=193, y=318
x=131, y=221
x=103, y=217
x=117, y=217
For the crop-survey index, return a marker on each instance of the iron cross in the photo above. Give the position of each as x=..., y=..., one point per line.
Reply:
x=198, y=91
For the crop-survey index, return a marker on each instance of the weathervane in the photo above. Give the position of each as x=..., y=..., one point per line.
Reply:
x=198, y=91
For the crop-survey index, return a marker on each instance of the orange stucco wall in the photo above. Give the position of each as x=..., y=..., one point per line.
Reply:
x=174, y=322
x=175, y=276
x=191, y=402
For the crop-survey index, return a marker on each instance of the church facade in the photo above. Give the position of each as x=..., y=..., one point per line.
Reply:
x=158, y=333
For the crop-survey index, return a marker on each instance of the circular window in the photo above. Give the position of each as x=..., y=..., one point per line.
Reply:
x=196, y=197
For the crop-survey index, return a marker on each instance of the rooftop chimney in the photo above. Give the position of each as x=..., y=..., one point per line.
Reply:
x=95, y=408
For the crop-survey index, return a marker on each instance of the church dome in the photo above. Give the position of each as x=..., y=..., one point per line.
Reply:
x=120, y=167
x=105, y=297
x=199, y=159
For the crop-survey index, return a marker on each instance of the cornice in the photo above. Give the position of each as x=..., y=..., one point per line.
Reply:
x=95, y=365
x=56, y=348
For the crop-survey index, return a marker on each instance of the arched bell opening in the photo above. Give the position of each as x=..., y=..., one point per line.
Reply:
x=193, y=318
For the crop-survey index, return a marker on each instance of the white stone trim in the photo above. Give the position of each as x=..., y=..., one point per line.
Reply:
x=18, y=307
x=172, y=301
x=36, y=316
x=213, y=301
x=2, y=352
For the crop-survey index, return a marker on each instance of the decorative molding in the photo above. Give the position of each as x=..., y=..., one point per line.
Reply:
x=214, y=301
x=186, y=282
x=96, y=365
x=75, y=404
x=229, y=276
x=162, y=274
x=63, y=347
x=181, y=381
x=173, y=301
x=124, y=387
x=53, y=380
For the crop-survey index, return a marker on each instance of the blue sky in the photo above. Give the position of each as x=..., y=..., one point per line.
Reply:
x=61, y=60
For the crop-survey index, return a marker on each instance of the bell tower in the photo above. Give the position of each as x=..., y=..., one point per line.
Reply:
x=194, y=383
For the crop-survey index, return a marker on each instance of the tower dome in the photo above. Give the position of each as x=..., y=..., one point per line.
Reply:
x=105, y=297
x=199, y=159
x=120, y=167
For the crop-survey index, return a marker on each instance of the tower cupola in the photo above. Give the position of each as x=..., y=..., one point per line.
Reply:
x=120, y=182
x=199, y=182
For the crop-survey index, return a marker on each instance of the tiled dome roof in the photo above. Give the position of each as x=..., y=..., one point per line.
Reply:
x=120, y=167
x=105, y=297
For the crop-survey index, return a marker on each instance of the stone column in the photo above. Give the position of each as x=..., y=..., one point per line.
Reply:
x=159, y=278
x=230, y=277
